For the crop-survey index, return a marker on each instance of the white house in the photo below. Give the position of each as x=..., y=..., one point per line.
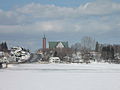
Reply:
x=96, y=56
x=77, y=57
x=54, y=60
x=19, y=55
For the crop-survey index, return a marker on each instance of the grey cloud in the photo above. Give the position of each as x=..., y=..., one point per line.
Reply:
x=52, y=11
x=27, y=19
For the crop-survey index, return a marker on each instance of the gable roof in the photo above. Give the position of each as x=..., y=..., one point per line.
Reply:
x=60, y=45
x=54, y=44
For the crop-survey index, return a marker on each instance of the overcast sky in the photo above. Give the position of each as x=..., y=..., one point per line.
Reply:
x=24, y=22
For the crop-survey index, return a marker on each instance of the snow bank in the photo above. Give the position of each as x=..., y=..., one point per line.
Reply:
x=61, y=77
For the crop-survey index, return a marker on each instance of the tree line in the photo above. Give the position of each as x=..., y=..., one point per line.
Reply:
x=109, y=53
x=3, y=47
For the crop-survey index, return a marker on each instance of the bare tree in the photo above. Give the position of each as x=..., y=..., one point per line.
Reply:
x=88, y=43
x=76, y=47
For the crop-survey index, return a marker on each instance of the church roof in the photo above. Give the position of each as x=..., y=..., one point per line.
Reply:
x=54, y=44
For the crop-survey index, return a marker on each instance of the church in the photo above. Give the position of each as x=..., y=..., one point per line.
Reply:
x=54, y=44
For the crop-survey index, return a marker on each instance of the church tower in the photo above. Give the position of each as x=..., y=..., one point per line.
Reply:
x=44, y=42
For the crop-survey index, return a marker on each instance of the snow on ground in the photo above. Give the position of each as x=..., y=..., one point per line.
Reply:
x=60, y=77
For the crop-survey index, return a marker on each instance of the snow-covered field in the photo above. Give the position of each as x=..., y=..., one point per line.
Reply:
x=60, y=77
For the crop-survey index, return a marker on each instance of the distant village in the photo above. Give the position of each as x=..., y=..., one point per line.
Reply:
x=87, y=51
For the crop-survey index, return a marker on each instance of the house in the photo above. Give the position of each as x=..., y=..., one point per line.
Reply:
x=54, y=60
x=77, y=57
x=19, y=54
x=53, y=45
x=1, y=53
x=3, y=61
x=96, y=56
x=66, y=59
x=117, y=58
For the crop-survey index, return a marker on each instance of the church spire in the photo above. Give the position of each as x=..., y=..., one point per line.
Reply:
x=44, y=42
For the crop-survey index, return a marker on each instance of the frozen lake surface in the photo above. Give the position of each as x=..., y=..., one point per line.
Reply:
x=60, y=77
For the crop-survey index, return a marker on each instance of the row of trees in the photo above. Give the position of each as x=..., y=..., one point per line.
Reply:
x=3, y=47
x=87, y=44
x=57, y=52
x=111, y=53
x=108, y=52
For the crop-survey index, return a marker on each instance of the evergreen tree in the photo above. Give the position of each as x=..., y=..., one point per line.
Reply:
x=55, y=54
x=3, y=47
x=97, y=47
